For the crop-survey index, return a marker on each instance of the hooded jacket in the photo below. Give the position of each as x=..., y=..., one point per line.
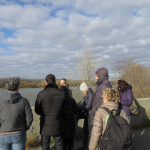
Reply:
x=15, y=113
x=126, y=100
x=50, y=105
x=102, y=84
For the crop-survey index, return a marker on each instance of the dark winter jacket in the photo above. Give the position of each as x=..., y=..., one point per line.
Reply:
x=15, y=113
x=69, y=123
x=88, y=101
x=50, y=105
x=102, y=84
x=126, y=100
x=70, y=91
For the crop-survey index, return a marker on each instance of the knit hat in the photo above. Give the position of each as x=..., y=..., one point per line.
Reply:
x=84, y=87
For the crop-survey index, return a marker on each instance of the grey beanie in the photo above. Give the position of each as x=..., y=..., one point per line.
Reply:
x=84, y=87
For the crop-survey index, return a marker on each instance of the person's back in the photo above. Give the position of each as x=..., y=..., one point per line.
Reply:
x=15, y=117
x=111, y=99
x=70, y=108
x=49, y=105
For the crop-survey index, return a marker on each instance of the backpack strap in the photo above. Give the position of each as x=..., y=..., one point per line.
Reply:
x=107, y=110
x=111, y=113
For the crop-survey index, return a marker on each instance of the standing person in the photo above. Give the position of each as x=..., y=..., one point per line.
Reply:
x=86, y=106
x=126, y=95
x=49, y=105
x=63, y=81
x=111, y=98
x=69, y=122
x=102, y=82
x=15, y=117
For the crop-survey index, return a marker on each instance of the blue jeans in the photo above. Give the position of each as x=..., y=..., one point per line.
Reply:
x=58, y=140
x=129, y=118
x=13, y=141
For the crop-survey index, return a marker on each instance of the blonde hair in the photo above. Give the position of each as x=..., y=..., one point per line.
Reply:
x=112, y=95
x=85, y=92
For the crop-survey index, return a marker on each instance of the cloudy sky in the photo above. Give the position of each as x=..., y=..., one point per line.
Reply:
x=38, y=37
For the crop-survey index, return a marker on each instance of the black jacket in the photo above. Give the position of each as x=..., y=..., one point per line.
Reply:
x=15, y=113
x=88, y=101
x=49, y=105
x=69, y=128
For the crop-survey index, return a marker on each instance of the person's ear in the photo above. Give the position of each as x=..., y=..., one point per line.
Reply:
x=46, y=82
x=17, y=88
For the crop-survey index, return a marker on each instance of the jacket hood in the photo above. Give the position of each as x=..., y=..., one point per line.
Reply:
x=12, y=97
x=129, y=86
x=102, y=74
x=65, y=90
x=63, y=85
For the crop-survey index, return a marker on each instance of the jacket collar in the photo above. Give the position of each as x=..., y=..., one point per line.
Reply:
x=110, y=105
x=51, y=86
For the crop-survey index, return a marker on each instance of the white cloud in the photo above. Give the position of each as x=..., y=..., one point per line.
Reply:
x=48, y=35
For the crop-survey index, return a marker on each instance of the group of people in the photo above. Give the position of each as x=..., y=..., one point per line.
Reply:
x=57, y=109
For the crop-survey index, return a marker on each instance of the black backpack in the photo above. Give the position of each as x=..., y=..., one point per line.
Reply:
x=117, y=135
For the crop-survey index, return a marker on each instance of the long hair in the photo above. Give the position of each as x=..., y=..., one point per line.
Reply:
x=122, y=86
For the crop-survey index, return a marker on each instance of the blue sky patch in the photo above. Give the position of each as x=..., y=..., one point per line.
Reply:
x=8, y=33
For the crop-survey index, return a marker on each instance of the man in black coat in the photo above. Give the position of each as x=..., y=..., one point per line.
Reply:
x=49, y=105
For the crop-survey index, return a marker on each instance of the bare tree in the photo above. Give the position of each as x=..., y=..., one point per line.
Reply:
x=86, y=65
x=135, y=74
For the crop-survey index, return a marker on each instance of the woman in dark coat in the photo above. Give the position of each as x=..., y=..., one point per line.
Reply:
x=86, y=106
x=70, y=108
x=126, y=95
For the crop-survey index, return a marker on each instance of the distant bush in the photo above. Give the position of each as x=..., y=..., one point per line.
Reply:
x=135, y=74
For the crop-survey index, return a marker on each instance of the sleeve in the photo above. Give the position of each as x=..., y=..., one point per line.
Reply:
x=38, y=105
x=89, y=101
x=96, y=131
x=99, y=98
x=28, y=114
x=123, y=114
x=129, y=98
x=75, y=106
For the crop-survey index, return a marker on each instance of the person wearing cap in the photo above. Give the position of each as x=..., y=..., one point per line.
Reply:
x=15, y=117
x=86, y=106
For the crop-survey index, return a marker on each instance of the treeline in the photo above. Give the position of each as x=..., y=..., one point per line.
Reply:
x=40, y=83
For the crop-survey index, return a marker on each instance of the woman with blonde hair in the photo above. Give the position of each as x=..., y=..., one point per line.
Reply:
x=111, y=98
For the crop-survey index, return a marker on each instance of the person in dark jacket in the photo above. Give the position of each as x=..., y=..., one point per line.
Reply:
x=63, y=81
x=102, y=82
x=86, y=106
x=126, y=95
x=15, y=117
x=50, y=105
x=69, y=122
